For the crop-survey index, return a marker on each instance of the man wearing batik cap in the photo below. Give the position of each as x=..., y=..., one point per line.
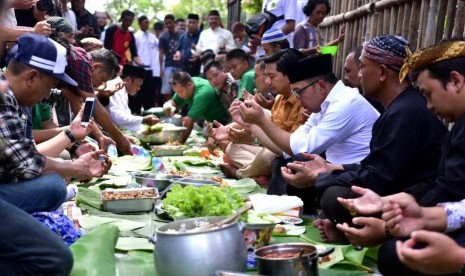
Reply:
x=440, y=75
x=28, y=178
x=118, y=108
x=405, y=145
x=273, y=41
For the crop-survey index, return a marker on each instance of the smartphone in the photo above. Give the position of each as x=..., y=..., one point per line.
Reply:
x=88, y=111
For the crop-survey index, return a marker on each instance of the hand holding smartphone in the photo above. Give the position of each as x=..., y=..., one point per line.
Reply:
x=88, y=111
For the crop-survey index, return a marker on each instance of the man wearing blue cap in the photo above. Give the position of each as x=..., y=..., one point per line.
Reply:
x=273, y=41
x=28, y=178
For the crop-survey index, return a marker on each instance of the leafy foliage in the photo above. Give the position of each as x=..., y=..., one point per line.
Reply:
x=201, y=201
x=201, y=7
x=252, y=6
x=150, y=8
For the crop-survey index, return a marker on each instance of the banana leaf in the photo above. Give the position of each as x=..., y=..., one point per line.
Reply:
x=94, y=253
x=130, y=163
x=89, y=197
x=91, y=222
x=140, y=263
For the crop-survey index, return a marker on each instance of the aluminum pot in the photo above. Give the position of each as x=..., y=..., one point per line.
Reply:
x=303, y=263
x=199, y=253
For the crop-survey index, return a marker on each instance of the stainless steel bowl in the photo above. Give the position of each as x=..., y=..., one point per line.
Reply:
x=175, y=120
x=159, y=181
x=196, y=182
x=163, y=137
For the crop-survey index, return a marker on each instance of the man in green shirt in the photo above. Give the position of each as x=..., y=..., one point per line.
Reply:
x=201, y=98
x=41, y=116
x=237, y=63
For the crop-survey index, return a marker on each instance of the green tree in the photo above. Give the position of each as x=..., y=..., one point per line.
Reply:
x=200, y=7
x=150, y=8
x=252, y=6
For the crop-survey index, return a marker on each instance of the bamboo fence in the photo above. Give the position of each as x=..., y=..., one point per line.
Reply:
x=422, y=22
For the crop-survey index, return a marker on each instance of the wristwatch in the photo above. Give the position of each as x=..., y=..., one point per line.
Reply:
x=70, y=135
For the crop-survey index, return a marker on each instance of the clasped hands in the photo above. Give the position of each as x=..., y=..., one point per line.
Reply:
x=303, y=174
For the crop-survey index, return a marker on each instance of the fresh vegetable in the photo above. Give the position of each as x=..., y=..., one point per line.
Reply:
x=201, y=201
x=260, y=218
x=155, y=128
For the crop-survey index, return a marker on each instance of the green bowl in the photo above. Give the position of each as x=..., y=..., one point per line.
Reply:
x=328, y=50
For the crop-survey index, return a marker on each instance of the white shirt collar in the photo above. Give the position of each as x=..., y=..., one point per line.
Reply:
x=332, y=95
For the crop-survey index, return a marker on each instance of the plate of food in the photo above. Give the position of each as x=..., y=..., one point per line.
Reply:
x=281, y=230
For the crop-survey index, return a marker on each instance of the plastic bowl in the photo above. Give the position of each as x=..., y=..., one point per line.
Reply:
x=328, y=50
x=257, y=235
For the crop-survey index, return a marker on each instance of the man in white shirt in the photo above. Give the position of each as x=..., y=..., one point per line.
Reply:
x=340, y=123
x=216, y=38
x=118, y=108
x=280, y=8
x=147, y=49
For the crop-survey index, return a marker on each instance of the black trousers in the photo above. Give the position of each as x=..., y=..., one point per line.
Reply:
x=278, y=186
x=29, y=248
x=332, y=209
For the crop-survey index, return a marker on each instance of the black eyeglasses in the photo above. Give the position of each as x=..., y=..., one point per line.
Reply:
x=298, y=92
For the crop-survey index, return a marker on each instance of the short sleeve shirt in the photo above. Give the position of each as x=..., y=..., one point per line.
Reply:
x=40, y=112
x=204, y=103
x=247, y=82
x=169, y=43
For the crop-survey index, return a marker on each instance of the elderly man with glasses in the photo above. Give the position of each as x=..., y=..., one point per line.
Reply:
x=339, y=124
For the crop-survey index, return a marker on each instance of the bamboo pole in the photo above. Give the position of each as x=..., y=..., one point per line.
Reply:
x=393, y=20
x=379, y=28
x=349, y=40
x=422, y=22
x=451, y=9
x=374, y=24
x=431, y=23
x=442, y=9
x=414, y=24
x=460, y=20
x=386, y=19
x=357, y=29
x=344, y=5
x=348, y=16
x=368, y=29
x=364, y=30
x=406, y=21
x=400, y=17
x=422, y=28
